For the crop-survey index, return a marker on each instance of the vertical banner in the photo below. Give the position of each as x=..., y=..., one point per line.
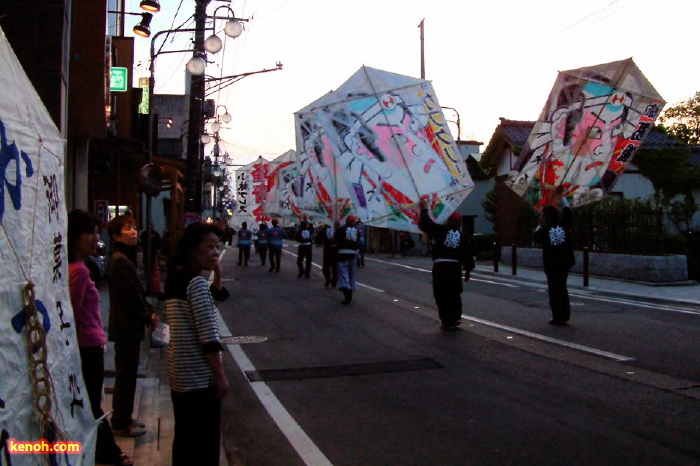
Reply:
x=42, y=393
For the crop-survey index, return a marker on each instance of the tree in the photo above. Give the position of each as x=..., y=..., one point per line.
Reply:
x=670, y=172
x=490, y=205
x=682, y=120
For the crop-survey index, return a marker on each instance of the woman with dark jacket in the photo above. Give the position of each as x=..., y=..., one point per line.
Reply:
x=129, y=314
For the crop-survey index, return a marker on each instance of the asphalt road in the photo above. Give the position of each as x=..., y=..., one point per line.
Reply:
x=378, y=383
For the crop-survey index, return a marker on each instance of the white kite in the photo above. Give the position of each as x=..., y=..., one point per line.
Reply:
x=379, y=144
x=594, y=121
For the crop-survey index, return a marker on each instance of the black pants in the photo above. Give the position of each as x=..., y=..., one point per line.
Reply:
x=197, y=436
x=92, y=361
x=330, y=266
x=275, y=258
x=262, y=251
x=126, y=366
x=361, y=256
x=243, y=255
x=558, y=295
x=447, y=289
x=305, y=253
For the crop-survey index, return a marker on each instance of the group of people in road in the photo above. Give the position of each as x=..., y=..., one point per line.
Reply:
x=343, y=250
x=195, y=369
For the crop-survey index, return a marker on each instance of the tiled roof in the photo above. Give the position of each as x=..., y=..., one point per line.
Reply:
x=517, y=133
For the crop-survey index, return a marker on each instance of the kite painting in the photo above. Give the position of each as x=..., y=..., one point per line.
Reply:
x=283, y=188
x=375, y=147
x=42, y=393
x=592, y=124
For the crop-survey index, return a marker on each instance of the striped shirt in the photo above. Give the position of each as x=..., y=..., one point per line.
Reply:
x=194, y=331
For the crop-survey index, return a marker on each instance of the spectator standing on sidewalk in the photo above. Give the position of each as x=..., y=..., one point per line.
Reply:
x=305, y=236
x=195, y=368
x=348, y=239
x=245, y=239
x=554, y=233
x=452, y=253
x=275, y=241
x=129, y=314
x=330, y=253
x=83, y=234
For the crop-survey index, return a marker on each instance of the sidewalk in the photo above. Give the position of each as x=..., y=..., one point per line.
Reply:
x=153, y=406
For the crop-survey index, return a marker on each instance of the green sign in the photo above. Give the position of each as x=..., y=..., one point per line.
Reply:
x=118, y=79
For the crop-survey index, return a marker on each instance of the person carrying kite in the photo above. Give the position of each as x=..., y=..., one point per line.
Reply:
x=452, y=252
x=554, y=234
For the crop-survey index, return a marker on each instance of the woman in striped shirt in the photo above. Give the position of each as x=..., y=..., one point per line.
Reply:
x=195, y=370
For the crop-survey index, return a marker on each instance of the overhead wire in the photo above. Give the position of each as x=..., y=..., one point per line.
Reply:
x=532, y=46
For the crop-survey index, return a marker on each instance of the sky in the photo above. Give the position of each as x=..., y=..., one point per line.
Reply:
x=486, y=59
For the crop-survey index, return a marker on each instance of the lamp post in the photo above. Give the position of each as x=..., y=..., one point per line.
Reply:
x=196, y=102
x=193, y=189
x=458, y=123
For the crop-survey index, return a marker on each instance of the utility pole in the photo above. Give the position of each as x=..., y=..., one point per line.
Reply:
x=421, y=26
x=193, y=188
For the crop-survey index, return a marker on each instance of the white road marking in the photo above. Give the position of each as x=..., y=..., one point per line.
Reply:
x=644, y=304
x=356, y=283
x=536, y=336
x=430, y=271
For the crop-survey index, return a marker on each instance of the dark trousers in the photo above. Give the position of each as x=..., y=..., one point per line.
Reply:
x=447, y=289
x=330, y=266
x=558, y=295
x=275, y=258
x=361, y=256
x=197, y=436
x=92, y=361
x=243, y=255
x=262, y=251
x=126, y=366
x=304, y=254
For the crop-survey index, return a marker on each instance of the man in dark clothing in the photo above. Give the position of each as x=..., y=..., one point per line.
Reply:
x=452, y=253
x=245, y=239
x=275, y=242
x=262, y=243
x=348, y=239
x=304, y=236
x=330, y=251
x=558, y=257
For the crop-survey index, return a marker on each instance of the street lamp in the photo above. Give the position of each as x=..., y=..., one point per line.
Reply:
x=459, y=128
x=150, y=5
x=143, y=28
x=196, y=66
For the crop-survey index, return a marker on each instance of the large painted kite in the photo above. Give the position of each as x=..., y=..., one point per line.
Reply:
x=595, y=119
x=376, y=146
x=283, y=189
x=42, y=392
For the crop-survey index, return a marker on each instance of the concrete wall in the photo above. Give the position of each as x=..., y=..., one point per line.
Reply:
x=652, y=269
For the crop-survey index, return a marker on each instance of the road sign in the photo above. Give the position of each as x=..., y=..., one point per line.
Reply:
x=118, y=79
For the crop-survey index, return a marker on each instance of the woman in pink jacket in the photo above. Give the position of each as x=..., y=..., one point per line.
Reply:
x=83, y=233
